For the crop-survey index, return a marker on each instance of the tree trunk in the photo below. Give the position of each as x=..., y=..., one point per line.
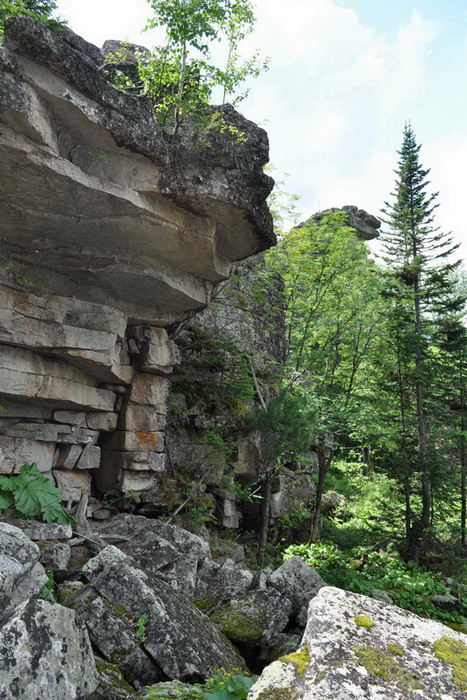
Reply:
x=263, y=535
x=323, y=466
x=181, y=85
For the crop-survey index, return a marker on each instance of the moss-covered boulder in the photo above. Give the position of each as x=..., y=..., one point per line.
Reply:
x=357, y=648
x=258, y=616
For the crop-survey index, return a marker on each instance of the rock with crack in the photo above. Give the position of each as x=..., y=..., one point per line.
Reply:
x=254, y=618
x=159, y=547
x=299, y=582
x=21, y=574
x=181, y=640
x=356, y=648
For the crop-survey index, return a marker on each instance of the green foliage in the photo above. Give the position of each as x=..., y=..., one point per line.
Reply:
x=37, y=9
x=48, y=592
x=141, y=624
x=181, y=85
x=361, y=570
x=32, y=495
x=228, y=685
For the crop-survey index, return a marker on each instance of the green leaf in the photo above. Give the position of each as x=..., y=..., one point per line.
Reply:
x=6, y=500
x=220, y=695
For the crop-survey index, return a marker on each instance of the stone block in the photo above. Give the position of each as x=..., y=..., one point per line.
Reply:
x=135, y=441
x=136, y=480
x=146, y=419
x=87, y=335
x=14, y=452
x=157, y=353
x=44, y=531
x=67, y=455
x=20, y=409
x=20, y=574
x=26, y=374
x=72, y=484
x=55, y=555
x=45, y=653
x=43, y=432
x=150, y=390
x=90, y=458
x=80, y=436
x=104, y=422
x=71, y=417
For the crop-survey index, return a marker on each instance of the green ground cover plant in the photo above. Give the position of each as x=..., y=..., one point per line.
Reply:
x=361, y=570
x=30, y=494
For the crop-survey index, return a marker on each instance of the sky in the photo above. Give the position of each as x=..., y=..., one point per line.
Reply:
x=344, y=78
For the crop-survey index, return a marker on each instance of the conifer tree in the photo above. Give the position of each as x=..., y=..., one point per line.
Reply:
x=422, y=289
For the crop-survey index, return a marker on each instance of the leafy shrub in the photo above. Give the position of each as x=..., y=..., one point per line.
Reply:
x=361, y=570
x=228, y=685
x=33, y=495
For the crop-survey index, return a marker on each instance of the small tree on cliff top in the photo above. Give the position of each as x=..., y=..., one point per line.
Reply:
x=179, y=84
x=38, y=9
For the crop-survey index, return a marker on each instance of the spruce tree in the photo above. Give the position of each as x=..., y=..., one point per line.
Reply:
x=422, y=289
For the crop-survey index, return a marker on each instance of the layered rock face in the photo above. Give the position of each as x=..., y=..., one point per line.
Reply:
x=112, y=230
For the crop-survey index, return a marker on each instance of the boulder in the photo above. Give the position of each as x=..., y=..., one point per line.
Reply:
x=21, y=575
x=218, y=582
x=298, y=581
x=44, y=653
x=113, y=633
x=159, y=547
x=181, y=640
x=254, y=618
x=355, y=647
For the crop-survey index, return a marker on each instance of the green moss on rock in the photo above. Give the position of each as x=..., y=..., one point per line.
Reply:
x=381, y=665
x=111, y=682
x=300, y=659
x=174, y=690
x=454, y=653
x=363, y=621
x=395, y=649
x=205, y=604
x=278, y=694
x=237, y=625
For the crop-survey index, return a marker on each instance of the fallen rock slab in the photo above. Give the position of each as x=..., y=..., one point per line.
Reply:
x=355, y=647
x=159, y=547
x=181, y=640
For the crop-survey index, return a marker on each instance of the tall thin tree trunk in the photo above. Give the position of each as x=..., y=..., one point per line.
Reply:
x=181, y=85
x=425, y=472
x=266, y=509
x=463, y=461
x=407, y=489
x=323, y=465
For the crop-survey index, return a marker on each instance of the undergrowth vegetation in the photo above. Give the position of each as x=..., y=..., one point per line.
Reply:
x=359, y=551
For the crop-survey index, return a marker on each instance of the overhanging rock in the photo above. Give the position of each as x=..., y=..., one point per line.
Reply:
x=99, y=203
x=111, y=231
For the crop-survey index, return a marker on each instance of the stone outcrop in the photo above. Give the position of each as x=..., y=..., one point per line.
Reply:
x=356, y=647
x=112, y=231
x=44, y=652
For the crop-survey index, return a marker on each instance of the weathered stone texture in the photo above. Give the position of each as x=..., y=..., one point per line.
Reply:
x=174, y=624
x=44, y=653
x=112, y=229
x=357, y=648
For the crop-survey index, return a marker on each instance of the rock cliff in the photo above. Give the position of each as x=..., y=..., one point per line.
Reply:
x=112, y=231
